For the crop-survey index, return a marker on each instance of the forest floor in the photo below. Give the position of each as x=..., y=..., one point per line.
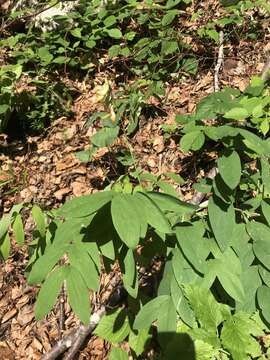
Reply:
x=44, y=170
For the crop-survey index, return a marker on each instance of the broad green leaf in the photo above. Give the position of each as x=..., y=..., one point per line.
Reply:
x=71, y=230
x=118, y=354
x=183, y=271
x=150, y=312
x=167, y=275
x=235, y=336
x=80, y=260
x=84, y=205
x=262, y=251
x=170, y=203
x=78, y=295
x=181, y=305
x=227, y=268
x=258, y=231
x=265, y=275
x=114, y=33
x=49, y=291
x=168, y=47
x=230, y=169
x=205, y=351
x=222, y=220
x=169, y=17
x=129, y=272
x=237, y=113
x=45, y=56
x=114, y=327
x=5, y=246
x=137, y=340
x=192, y=141
x=126, y=219
x=263, y=297
x=250, y=280
x=18, y=230
x=110, y=20
x=102, y=232
x=154, y=216
x=166, y=322
x=105, y=137
x=4, y=224
x=76, y=32
x=190, y=240
x=206, y=309
x=265, y=173
x=39, y=219
x=45, y=263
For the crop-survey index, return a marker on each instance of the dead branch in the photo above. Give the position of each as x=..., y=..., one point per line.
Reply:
x=76, y=338
x=220, y=60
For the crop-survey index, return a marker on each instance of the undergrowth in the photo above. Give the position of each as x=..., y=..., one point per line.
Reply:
x=211, y=299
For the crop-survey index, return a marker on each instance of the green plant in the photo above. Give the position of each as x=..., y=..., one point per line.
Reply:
x=215, y=267
x=12, y=220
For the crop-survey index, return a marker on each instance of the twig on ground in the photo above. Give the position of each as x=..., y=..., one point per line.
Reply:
x=75, y=339
x=219, y=61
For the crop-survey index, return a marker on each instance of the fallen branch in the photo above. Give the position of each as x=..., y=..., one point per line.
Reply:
x=219, y=61
x=75, y=339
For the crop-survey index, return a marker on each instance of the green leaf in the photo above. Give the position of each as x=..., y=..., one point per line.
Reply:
x=105, y=137
x=227, y=268
x=4, y=224
x=258, y=231
x=235, y=336
x=150, y=312
x=170, y=203
x=181, y=305
x=222, y=220
x=229, y=166
x=114, y=327
x=192, y=141
x=206, y=309
x=45, y=55
x=18, y=230
x=39, y=219
x=250, y=280
x=114, y=33
x=126, y=219
x=168, y=47
x=80, y=260
x=236, y=113
x=129, y=272
x=49, y=291
x=118, y=354
x=154, y=216
x=263, y=297
x=5, y=246
x=84, y=205
x=262, y=251
x=46, y=262
x=77, y=32
x=78, y=295
x=190, y=239
x=110, y=20
x=169, y=17
x=137, y=340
